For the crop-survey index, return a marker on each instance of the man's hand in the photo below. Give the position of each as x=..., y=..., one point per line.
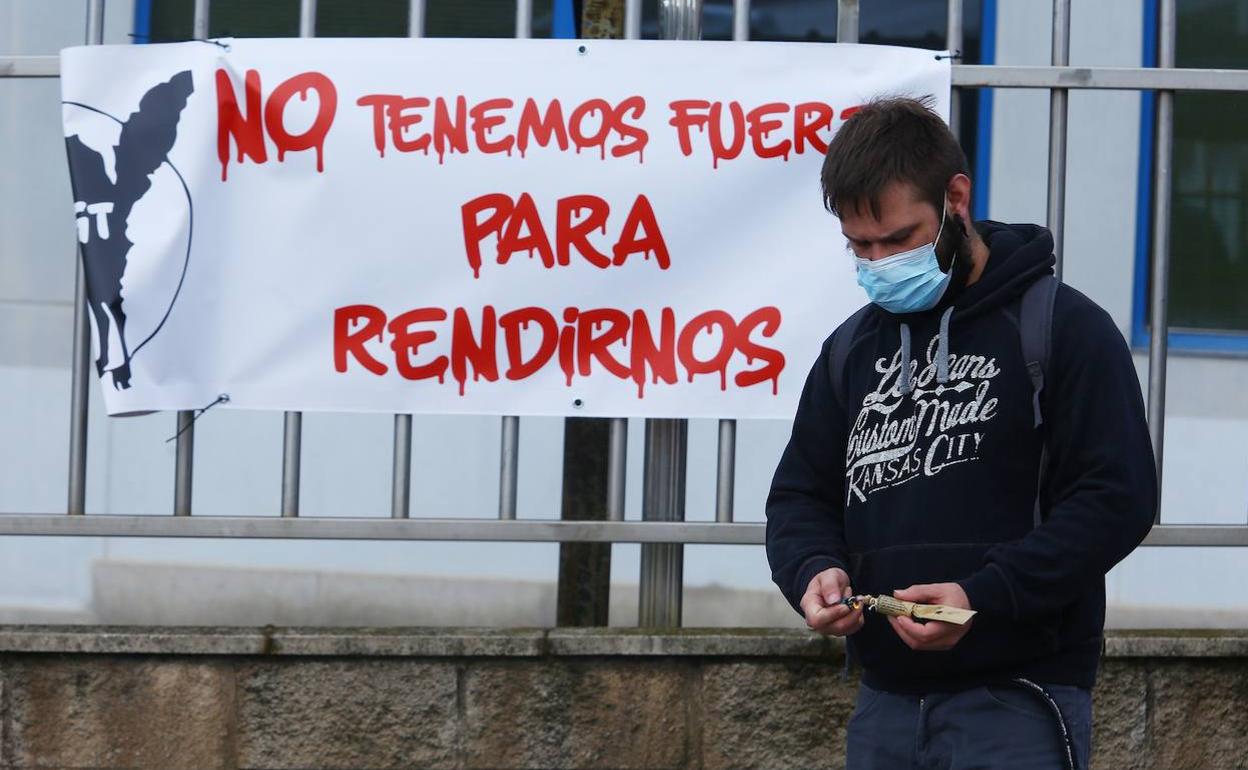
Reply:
x=933, y=635
x=822, y=604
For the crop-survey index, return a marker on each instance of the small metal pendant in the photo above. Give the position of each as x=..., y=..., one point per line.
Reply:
x=887, y=605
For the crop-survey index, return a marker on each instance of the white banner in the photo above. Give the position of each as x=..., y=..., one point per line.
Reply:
x=554, y=227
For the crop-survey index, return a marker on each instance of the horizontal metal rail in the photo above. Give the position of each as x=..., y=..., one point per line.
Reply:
x=485, y=530
x=964, y=75
x=344, y=528
x=1102, y=78
x=30, y=66
x=1216, y=535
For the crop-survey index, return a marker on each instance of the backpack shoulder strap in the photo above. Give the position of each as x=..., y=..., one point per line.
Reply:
x=838, y=351
x=1035, y=329
x=1035, y=326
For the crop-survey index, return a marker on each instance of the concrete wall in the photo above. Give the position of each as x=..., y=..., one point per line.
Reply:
x=455, y=465
x=469, y=698
x=171, y=594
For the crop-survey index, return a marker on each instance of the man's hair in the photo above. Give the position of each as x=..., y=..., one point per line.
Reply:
x=892, y=139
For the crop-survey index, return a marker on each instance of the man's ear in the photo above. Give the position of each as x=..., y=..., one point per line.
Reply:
x=959, y=193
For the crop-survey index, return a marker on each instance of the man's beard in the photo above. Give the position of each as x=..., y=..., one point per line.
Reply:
x=954, y=252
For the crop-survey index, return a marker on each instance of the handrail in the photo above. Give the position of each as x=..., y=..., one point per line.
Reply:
x=475, y=529
x=964, y=76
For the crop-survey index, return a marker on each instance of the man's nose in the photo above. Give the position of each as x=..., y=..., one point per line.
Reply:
x=876, y=251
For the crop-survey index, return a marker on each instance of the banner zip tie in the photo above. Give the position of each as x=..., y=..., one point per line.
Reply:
x=224, y=398
x=147, y=39
x=217, y=43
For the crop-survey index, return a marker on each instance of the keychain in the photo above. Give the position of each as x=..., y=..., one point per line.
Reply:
x=887, y=605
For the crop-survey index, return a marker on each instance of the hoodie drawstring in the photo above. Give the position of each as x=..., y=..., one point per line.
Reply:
x=906, y=381
x=942, y=348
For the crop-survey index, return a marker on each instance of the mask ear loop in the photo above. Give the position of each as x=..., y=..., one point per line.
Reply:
x=944, y=214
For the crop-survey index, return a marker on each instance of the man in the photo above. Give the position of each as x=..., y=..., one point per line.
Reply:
x=935, y=466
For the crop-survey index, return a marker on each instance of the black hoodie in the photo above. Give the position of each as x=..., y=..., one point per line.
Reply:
x=932, y=477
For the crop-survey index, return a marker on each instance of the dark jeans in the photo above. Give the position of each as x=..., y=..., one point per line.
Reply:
x=998, y=726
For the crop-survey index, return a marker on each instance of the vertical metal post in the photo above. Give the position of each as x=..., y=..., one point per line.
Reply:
x=725, y=474
x=184, y=457
x=1159, y=291
x=416, y=18
x=740, y=19
x=307, y=18
x=509, y=468
x=401, y=476
x=953, y=41
x=847, y=21
x=292, y=429
x=184, y=464
x=662, y=564
x=199, y=26
x=80, y=366
x=667, y=440
x=1057, y=133
x=95, y=22
x=292, y=441
x=680, y=19
x=401, y=469
x=726, y=471
x=509, y=451
x=79, y=396
x=632, y=19
x=524, y=18
x=617, y=468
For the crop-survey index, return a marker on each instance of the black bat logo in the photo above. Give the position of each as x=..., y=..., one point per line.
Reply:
x=103, y=208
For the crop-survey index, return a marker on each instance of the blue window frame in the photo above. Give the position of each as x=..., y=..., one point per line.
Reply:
x=1233, y=341
x=982, y=162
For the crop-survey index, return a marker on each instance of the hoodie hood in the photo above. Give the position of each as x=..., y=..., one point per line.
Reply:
x=1017, y=255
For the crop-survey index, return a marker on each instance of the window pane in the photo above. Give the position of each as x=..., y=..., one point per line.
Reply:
x=245, y=18
x=361, y=18
x=470, y=18
x=1209, y=214
x=171, y=19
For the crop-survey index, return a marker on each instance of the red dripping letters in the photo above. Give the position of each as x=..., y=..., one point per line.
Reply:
x=516, y=226
x=580, y=341
x=497, y=126
x=728, y=129
x=246, y=127
x=653, y=346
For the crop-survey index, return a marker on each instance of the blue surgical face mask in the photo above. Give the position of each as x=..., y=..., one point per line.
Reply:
x=908, y=282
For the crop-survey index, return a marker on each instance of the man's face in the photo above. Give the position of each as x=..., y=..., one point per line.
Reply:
x=906, y=222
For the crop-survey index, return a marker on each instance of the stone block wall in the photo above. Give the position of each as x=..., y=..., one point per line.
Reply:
x=295, y=699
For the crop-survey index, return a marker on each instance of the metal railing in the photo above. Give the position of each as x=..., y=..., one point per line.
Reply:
x=663, y=531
